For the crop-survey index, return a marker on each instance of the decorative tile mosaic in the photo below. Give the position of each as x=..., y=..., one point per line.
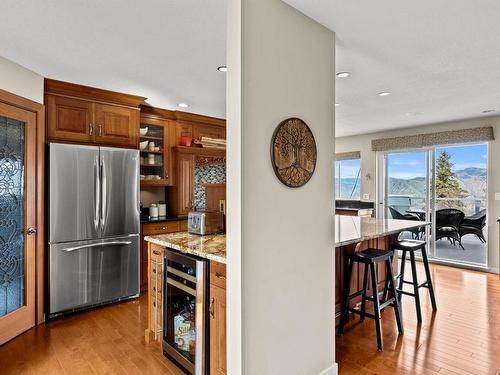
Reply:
x=208, y=174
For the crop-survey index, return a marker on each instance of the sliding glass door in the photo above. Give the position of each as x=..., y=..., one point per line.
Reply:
x=445, y=185
x=406, y=188
x=461, y=203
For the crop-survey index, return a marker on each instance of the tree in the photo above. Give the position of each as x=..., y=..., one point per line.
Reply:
x=447, y=185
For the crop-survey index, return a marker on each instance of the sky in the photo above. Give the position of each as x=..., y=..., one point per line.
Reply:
x=412, y=164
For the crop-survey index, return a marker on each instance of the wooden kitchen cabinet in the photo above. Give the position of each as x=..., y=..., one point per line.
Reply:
x=118, y=126
x=69, y=119
x=87, y=115
x=217, y=316
x=150, y=229
x=155, y=294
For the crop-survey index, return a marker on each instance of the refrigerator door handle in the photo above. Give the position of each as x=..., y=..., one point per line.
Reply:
x=69, y=249
x=103, y=193
x=97, y=193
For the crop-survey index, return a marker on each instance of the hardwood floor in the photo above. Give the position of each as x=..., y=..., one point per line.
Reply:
x=108, y=340
x=462, y=337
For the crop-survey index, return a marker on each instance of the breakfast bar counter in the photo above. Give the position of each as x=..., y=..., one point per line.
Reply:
x=352, y=229
x=353, y=234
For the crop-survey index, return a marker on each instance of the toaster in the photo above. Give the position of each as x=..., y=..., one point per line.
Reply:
x=205, y=222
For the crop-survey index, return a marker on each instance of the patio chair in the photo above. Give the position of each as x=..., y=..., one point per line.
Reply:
x=416, y=232
x=448, y=225
x=474, y=225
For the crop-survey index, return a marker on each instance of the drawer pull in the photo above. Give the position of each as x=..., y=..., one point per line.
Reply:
x=220, y=276
x=156, y=252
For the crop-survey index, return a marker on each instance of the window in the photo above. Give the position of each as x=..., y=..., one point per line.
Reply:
x=347, y=179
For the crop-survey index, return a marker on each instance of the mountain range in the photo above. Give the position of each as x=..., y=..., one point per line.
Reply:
x=473, y=180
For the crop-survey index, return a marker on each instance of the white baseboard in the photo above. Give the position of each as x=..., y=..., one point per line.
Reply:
x=332, y=370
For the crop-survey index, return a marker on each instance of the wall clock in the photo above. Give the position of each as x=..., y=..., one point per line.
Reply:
x=293, y=152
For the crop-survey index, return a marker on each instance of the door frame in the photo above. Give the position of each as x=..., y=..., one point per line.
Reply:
x=38, y=110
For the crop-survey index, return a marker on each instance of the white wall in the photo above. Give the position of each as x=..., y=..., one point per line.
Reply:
x=20, y=81
x=285, y=238
x=368, y=162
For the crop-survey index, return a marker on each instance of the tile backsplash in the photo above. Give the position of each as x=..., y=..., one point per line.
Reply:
x=208, y=174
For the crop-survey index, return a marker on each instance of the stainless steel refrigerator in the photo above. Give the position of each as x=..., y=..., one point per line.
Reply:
x=93, y=226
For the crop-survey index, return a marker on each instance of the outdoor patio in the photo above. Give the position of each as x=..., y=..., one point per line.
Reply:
x=475, y=251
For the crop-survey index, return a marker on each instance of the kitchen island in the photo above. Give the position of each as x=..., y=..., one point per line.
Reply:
x=359, y=233
x=181, y=280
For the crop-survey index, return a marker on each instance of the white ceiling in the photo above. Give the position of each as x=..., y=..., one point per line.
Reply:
x=440, y=59
x=166, y=50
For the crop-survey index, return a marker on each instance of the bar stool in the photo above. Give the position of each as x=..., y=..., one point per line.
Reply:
x=411, y=246
x=371, y=258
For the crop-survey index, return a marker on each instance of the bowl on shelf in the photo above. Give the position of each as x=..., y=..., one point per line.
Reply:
x=143, y=145
x=143, y=131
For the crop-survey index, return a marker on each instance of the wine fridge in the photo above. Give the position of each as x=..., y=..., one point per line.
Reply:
x=184, y=311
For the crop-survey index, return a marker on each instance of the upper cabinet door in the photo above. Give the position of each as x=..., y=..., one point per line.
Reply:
x=116, y=125
x=69, y=119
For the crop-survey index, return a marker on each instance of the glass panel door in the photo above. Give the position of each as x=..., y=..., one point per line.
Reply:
x=461, y=186
x=406, y=188
x=17, y=220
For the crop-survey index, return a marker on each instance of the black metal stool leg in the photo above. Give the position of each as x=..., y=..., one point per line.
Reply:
x=376, y=305
x=397, y=307
x=415, y=286
x=363, y=296
x=402, y=274
x=344, y=311
x=430, y=286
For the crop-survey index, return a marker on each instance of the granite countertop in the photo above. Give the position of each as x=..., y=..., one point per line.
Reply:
x=353, y=229
x=212, y=246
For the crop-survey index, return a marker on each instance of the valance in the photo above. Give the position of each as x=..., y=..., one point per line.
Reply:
x=348, y=155
x=482, y=134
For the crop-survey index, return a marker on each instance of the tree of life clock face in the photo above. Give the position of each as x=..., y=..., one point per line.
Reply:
x=293, y=152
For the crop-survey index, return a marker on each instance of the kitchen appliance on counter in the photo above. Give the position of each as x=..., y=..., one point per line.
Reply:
x=185, y=335
x=205, y=222
x=93, y=228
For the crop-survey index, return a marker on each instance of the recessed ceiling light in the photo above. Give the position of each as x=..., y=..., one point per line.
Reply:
x=183, y=105
x=488, y=110
x=384, y=93
x=337, y=104
x=222, y=68
x=343, y=74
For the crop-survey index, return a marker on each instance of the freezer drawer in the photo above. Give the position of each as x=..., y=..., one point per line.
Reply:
x=89, y=273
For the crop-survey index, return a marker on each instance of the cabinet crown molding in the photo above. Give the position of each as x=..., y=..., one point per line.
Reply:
x=181, y=116
x=56, y=87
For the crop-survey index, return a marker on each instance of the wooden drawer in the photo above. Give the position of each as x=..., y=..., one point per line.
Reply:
x=159, y=315
x=218, y=274
x=160, y=228
x=156, y=268
x=156, y=253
